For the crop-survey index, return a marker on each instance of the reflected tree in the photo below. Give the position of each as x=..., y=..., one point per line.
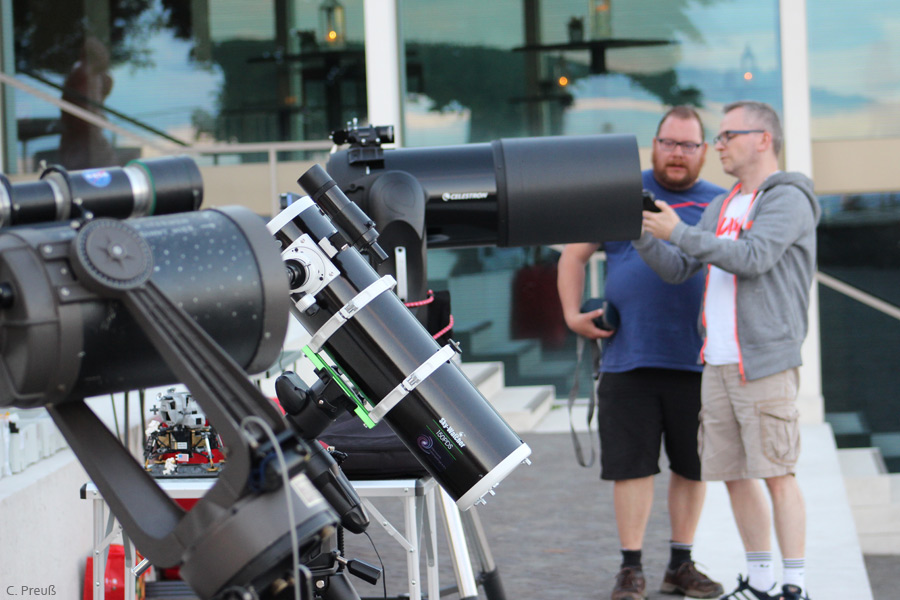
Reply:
x=485, y=80
x=125, y=27
x=665, y=86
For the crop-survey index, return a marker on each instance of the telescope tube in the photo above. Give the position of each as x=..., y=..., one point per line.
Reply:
x=444, y=421
x=517, y=191
x=142, y=188
x=61, y=341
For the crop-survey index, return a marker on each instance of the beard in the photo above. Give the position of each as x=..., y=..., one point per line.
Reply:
x=677, y=180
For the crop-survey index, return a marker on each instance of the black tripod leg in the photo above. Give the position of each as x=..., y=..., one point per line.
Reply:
x=492, y=585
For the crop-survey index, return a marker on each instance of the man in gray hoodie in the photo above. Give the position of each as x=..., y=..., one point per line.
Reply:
x=758, y=245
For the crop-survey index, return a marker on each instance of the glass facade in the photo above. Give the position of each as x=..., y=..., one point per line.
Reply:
x=261, y=70
x=858, y=245
x=173, y=72
x=509, y=68
x=177, y=73
x=854, y=64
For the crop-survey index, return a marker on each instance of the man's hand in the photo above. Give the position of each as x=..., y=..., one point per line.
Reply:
x=583, y=324
x=660, y=224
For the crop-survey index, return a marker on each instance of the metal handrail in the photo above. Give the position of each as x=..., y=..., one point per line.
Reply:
x=106, y=108
x=827, y=280
x=83, y=114
x=270, y=148
x=858, y=295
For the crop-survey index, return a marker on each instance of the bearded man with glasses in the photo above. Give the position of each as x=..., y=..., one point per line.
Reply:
x=650, y=385
x=758, y=248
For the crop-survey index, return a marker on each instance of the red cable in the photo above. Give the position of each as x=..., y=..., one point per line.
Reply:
x=445, y=329
x=428, y=300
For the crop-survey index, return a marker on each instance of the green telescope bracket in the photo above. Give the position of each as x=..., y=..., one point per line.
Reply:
x=361, y=411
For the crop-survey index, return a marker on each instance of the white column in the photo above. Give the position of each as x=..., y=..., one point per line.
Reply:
x=385, y=65
x=798, y=157
x=7, y=95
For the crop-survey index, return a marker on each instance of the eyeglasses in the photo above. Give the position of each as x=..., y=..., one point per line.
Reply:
x=670, y=145
x=729, y=134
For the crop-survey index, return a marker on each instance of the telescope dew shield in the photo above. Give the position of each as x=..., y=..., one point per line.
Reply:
x=444, y=420
x=61, y=341
x=568, y=189
x=518, y=191
x=141, y=188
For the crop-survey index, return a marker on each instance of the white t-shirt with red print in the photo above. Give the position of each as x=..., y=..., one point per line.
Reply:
x=720, y=318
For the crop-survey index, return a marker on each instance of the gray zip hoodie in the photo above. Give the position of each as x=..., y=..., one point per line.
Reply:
x=774, y=259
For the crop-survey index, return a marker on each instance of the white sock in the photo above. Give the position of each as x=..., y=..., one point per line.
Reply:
x=794, y=571
x=760, y=570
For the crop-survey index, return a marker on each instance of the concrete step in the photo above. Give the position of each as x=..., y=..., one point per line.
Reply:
x=557, y=420
x=878, y=528
x=522, y=407
x=488, y=377
x=517, y=356
x=874, y=496
x=851, y=429
x=889, y=445
x=558, y=373
x=466, y=333
x=861, y=462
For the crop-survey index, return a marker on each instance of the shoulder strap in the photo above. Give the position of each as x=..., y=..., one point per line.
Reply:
x=592, y=401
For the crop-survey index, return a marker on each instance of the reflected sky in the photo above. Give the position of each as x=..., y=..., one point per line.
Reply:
x=854, y=59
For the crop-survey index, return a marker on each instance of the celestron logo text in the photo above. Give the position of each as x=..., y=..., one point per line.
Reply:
x=448, y=196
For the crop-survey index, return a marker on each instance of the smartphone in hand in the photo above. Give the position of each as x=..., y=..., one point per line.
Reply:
x=649, y=203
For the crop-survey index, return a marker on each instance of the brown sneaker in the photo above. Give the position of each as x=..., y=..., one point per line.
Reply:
x=688, y=581
x=630, y=585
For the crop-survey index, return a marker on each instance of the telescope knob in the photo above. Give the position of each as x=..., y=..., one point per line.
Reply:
x=292, y=392
x=110, y=256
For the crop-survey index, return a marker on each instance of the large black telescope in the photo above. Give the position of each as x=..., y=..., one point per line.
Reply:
x=509, y=192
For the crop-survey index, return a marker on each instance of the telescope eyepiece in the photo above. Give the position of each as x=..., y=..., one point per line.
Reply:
x=297, y=272
x=356, y=226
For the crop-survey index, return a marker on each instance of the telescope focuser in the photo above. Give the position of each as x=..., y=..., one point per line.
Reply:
x=349, y=218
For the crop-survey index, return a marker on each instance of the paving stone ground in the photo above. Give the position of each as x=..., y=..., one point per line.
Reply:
x=552, y=532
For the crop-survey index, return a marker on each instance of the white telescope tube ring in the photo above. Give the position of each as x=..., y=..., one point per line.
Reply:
x=347, y=311
x=411, y=382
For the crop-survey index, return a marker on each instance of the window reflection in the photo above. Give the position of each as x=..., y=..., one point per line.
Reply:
x=244, y=71
x=854, y=62
x=650, y=54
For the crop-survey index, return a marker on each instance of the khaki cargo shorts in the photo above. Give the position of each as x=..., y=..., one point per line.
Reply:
x=748, y=429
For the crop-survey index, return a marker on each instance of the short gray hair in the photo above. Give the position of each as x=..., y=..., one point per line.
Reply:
x=764, y=116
